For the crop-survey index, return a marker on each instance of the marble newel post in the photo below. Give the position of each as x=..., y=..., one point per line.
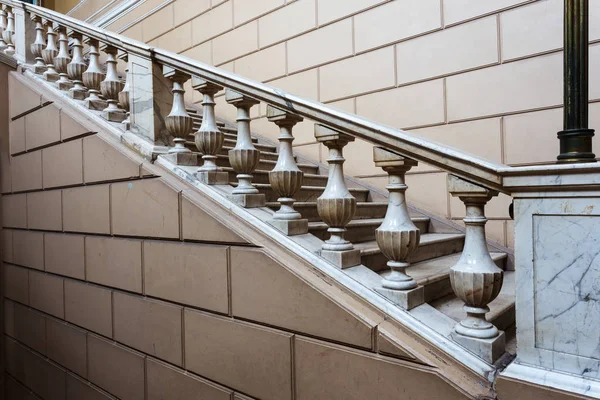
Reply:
x=3, y=23
x=244, y=157
x=286, y=178
x=76, y=67
x=475, y=278
x=336, y=206
x=49, y=53
x=62, y=60
x=93, y=77
x=178, y=122
x=111, y=86
x=9, y=31
x=209, y=138
x=38, y=45
x=397, y=236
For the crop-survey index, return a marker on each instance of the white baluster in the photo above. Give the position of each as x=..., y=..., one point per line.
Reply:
x=49, y=53
x=178, y=122
x=77, y=67
x=124, y=94
x=111, y=86
x=93, y=77
x=38, y=45
x=9, y=31
x=62, y=60
x=3, y=23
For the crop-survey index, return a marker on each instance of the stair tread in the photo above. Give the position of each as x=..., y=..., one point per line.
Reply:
x=452, y=306
x=371, y=247
x=359, y=222
x=306, y=187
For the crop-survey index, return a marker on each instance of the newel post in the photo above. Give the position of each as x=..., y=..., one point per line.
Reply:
x=24, y=34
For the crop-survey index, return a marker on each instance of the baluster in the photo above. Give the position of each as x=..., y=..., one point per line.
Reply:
x=244, y=157
x=209, y=138
x=111, y=86
x=336, y=206
x=76, y=68
x=9, y=31
x=38, y=45
x=93, y=77
x=49, y=53
x=397, y=236
x=124, y=94
x=3, y=23
x=475, y=278
x=178, y=122
x=62, y=60
x=286, y=178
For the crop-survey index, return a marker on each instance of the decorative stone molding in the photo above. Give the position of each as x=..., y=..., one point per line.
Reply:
x=9, y=31
x=93, y=77
x=49, y=53
x=124, y=94
x=475, y=278
x=286, y=178
x=38, y=45
x=3, y=23
x=62, y=60
x=244, y=157
x=111, y=86
x=336, y=206
x=178, y=122
x=397, y=236
x=76, y=67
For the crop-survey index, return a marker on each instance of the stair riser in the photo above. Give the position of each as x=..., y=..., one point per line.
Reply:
x=307, y=194
x=263, y=177
x=228, y=136
x=261, y=147
x=266, y=166
x=378, y=262
x=311, y=213
x=359, y=234
x=263, y=155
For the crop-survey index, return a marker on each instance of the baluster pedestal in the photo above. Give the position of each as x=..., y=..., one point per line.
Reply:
x=475, y=278
x=111, y=86
x=397, y=236
x=93, y=77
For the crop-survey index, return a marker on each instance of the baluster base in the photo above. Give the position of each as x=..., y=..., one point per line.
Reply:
x=213, y=177
x=188, y=159
x=249, y=200
x=114, y=115
x=96, y=104
x=291, y=227
x=489, y=350
x=65, y=85
x=50, y=76
x=405, y=299
x=78, y=94
x=38, y=69
x=342, y=259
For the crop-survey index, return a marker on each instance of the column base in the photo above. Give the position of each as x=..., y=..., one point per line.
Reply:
x=78, y=94
x=97, y=105
x=405, y=299
x=38, y=69
x=114, y=116
x=487, y=349
x=50, y=77
x=290, y=227
x=254, y=200
x=189, y=159
x=342, y=259
x=213, y=177
x=65, y=85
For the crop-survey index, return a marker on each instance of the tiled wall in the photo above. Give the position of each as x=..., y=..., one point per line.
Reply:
x=117, y=283
x=482, y=76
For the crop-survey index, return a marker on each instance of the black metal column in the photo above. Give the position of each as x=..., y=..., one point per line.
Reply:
x=576, y=138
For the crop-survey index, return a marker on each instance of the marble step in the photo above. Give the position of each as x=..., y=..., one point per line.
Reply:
x=264, y=155
x=434, y=274
x=306, y=193
x=502, y=310
x=262, y=176
x=230, y=144
x=228, y=135
x=267, y=165
x=225, y=129
x=308, y=209
x=432, y=245
x=361, y=230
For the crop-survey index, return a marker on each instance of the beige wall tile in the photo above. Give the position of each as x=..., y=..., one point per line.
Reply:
x=259, y=365
x=460, y=48
x=460, y=10
x=234, y=44
x=310, y=151
x=64, y=255
x=187, y=273
x=365, y=376
x=359, y=159
x=26, y=171
x=46, y=293
x=16, y=283
x=186, y=9
x=69, y=128
x=497, y=207
x=29, y=327
x=518, y=86
x=594, y=75
x=158, y=23
x=7, y=245
x=115, y=368
x=146, y=207
x=543, y=31
x=16, y=132
x=164, y=381
x=401, y=19
x=202, y=53
x=359, y=74
x=103, y=162
x=78, y=389
x=178, y=39
x=148, y=325
x=14, y=210
x=67, y=346
x=197, y=224
x=264, y=65
x=28, y=249
x=245, y=10
x=22, y=97
x=304, y=84
x=326, y=44
x=15, y=390
x=428, y=192
x=88, y=306
x=277, y=297
x=62, y=165
x=86, y=209
x=212, y=23
x=114, y=262
x=135, y=32
x=44, y=210
x=510, y=234
x=42, y=127
x=330, y=10
x=405, y=107
x=299, y=16
x=346, y=105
